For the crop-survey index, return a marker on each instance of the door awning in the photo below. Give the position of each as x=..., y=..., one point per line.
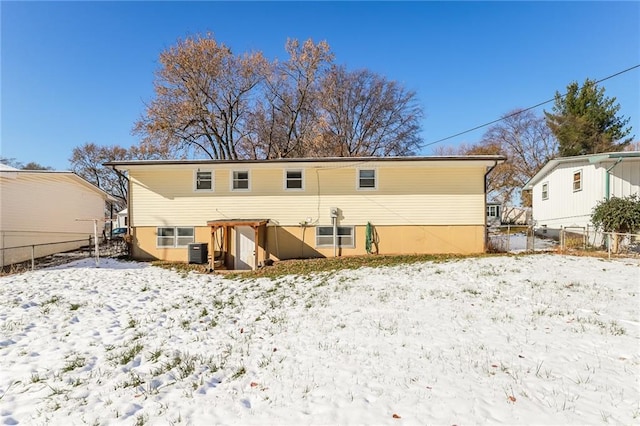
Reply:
x=238, y=222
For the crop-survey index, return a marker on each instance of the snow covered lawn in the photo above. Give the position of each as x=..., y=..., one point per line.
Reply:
x=537, y=339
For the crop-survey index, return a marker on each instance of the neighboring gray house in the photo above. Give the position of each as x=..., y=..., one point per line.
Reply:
x=565, y=190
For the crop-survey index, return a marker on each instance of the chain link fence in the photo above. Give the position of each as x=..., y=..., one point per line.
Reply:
x=36, y=256
x=514, y=239
x=517, y=239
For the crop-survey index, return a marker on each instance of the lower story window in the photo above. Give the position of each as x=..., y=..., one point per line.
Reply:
x=175, y=237
x=344, y=236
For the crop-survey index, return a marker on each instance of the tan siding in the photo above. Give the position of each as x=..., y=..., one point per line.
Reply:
x=299, y=242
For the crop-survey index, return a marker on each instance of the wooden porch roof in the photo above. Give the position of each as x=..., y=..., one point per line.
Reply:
x=237, y=222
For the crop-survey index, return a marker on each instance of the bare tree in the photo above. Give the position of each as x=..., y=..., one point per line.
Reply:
x=87, y=161
x=285, y=123
x=364, y=114
x=528, y=144
x=209, y=102
x=203, y=93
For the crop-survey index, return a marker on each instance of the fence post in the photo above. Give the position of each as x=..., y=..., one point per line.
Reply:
x=587, y=237
x=533, y=239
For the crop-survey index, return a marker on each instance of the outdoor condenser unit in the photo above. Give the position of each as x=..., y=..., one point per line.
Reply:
x=198, y=253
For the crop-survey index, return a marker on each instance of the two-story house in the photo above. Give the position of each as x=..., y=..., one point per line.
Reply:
x=247, y=211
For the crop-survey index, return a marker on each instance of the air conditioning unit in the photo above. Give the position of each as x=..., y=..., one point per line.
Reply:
x=198, y=253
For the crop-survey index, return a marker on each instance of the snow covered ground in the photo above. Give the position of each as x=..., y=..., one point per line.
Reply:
x=534, y=339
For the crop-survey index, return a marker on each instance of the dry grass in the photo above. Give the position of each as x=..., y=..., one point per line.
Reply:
x=310, y=266
x=315, y=265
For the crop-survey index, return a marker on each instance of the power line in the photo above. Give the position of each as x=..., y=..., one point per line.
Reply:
x=523, y=110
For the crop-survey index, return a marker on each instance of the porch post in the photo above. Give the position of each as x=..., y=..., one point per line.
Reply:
x=212, y=241
x=255, y=247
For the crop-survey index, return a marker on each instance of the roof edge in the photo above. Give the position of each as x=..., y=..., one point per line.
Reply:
x=589, y=158
x=499, y=158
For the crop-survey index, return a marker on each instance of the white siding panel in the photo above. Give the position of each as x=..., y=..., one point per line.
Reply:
x=566, y=207
x=625, y=179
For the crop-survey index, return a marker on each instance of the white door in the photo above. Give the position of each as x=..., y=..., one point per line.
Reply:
x=245, y=247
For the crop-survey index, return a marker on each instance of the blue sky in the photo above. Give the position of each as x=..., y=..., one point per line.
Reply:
x=77, y=72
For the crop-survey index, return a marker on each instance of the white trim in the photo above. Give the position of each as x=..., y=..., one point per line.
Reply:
x=175, y=236
x=573, y=181
x=330, y=244
x=286, y=179
x=587, y=159
x=375, y=179
x=232, y=180
x=195, y=180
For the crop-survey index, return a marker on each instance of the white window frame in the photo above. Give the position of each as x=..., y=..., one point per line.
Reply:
x=358, y=179
x=579, y=181
x=195, y=180
x=327, y=239
x=176, y=242
x=545, y=190
x=286, y=180
x=493, y=211
x=233, y=181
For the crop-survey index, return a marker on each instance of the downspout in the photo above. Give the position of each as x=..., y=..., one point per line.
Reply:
x=486, y=230
x=607, y=189
x=335, y=235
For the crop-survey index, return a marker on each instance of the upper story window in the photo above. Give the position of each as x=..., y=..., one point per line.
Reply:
x=240, y=180
x=367, y=179
x=545, y=191
x=577, y=181
x=204, y=180
x=294, y=179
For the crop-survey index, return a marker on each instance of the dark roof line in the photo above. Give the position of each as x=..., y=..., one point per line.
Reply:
x=309, y=160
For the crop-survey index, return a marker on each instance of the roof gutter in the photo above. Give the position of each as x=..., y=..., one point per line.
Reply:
x=495, y=163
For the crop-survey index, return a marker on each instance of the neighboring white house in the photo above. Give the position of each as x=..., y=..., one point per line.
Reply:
x=499, y=214
x=494, y=210
x=122, y=221
x=515, y=215
x=565, y=190
x=44, y=212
